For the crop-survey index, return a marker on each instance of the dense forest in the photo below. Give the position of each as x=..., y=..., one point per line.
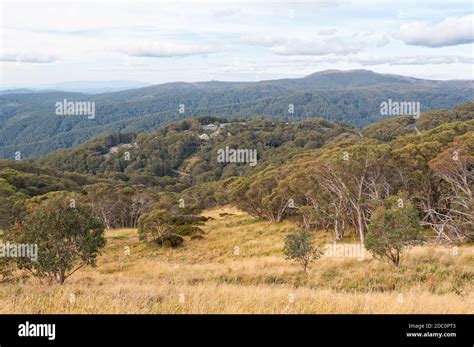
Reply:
x=328, y=176
x=185, y=153
x=29, y=125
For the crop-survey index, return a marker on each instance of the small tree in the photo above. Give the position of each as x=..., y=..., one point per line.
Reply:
x=68, y=237
x=299, y=246
x=394, y=226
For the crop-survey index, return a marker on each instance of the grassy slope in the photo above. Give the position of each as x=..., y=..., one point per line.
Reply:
x=207, y=276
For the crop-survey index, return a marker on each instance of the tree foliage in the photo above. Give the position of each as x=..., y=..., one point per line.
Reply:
x=299, y=246
x=394, y=226
x=168, y=227
x=67, y=238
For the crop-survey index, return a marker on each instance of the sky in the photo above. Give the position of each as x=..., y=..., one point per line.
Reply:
x=158, y=42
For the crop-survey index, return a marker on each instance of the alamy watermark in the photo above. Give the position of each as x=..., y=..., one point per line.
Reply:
x=229, y=155
x=28, y=329
x=400, y=108
x=19, y=250
x=75, y=108
x=344, y=250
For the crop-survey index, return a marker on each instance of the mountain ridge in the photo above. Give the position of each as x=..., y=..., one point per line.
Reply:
x=349, y=96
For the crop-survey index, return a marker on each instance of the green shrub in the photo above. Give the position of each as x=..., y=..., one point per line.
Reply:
x=299, y=246
x=167, y=228
x=393, y=227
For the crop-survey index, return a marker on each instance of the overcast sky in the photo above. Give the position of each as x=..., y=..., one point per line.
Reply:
x=223, y=40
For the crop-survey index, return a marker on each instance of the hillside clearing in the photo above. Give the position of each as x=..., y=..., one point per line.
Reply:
x=239, y=268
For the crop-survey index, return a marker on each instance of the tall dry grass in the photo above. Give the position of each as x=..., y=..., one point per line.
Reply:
x=239, y=268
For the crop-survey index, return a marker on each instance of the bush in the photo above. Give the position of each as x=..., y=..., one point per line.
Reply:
x=167, y=228
x=394, y=226
x=299, y=246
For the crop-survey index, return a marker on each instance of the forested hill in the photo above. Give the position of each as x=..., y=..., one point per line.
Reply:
x=28, y=123
x=336, y=174
x=184, y=153
x=391, y=128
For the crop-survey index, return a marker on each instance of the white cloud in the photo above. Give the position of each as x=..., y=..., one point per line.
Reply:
x=324, y=42
x=450, y=32
x=27, y=57
x=158, y=49
x=275, y=44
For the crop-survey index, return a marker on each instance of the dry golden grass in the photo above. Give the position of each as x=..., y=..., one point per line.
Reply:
x=239, y=268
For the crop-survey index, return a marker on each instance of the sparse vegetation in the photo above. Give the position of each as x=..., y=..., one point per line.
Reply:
x=316, y=183
x=213, y=279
